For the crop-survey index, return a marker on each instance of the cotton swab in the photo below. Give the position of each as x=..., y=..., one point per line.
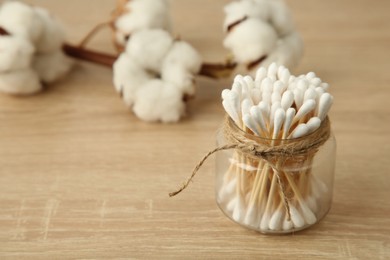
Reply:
x=280, y=115
x=287, y=100
x=266, y=85
x=290, y=114
x=272, y=70
x=324, y=105
x=313, y=124
x=251, y=124
x=285, y=76
x=231, y=111
x=306, y=108
x=299, y=131
x=246, y=105
x=279, y=87
x=274, y=107
x=249, y=82
x=276, y=219
x=278, y=121
x=257, y=114
x=261, y=74
x=298, y=97
x=309, y=94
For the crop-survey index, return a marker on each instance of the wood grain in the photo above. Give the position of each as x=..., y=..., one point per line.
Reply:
x=81, y=177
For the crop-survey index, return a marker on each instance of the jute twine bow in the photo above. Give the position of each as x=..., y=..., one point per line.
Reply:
x=274, y=155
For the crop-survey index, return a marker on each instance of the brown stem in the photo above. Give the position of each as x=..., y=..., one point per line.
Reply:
x=4, y=32
x=256, y=63
x=89, y=55
x=217, y=70
x=211, y=70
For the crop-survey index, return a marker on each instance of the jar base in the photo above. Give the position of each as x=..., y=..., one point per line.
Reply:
x=268, y=231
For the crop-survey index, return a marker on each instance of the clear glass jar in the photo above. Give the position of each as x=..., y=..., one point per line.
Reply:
x=249, y=193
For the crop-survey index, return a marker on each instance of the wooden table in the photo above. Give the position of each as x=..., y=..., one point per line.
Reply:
x=81, y=177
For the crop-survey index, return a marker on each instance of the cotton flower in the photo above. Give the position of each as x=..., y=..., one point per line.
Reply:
x=155, y=73
x=260, y=32
x=159, y=100
x=30, y=49
x=136, y=15
x=149, y=47
x=129, y=77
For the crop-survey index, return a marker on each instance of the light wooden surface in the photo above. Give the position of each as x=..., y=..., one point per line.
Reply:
x=81, y=177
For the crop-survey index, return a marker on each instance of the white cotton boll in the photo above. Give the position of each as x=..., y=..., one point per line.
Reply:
x=15, y=53
x=280, y=17
x=53, y=34
x=128, y=78
x=288, y=51
x=184, y=55
x=159, y=101
x=251, y=40
x=20, y=82
x=180, y=77
x=179, y=66
x=52, y=66
x=20, y=19
x=149, y=47
x=143, y=14
x=236, y=11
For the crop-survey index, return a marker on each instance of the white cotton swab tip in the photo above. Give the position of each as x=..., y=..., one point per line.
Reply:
x=251, y=124
x=279, y=87
x=257, y=115
x=313, y=124
x=238, y=78
x=250, y=217
x=246, y=106
x=309, y=94
x=249, y=82
x=287, y=224
x=306, y=108
x=231, y=111
x=296, y=218
x=290, y=113
x=280, y=115
x=231, y=204
x=272, y=70
x=266, y=85
x=299, y=131
x=225, y=93
x=264, y=221
x=276, y=220
x=298, y=97
x=274, y=107
x=302, y=84
x=311, y=202
x=326, y=101
x=287, y=99
x=285, y=76
x=239, y=209
x=261, y=74
x=308, y=215
x=236, y=87
x=310, y=75
x=256, y=95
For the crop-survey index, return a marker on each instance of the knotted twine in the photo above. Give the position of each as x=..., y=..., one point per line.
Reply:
x=267, y=151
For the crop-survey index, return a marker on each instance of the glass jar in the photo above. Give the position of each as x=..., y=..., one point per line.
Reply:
x=279, y=197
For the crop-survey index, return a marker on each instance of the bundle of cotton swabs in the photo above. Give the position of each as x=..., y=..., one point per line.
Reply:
x=277, y=106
